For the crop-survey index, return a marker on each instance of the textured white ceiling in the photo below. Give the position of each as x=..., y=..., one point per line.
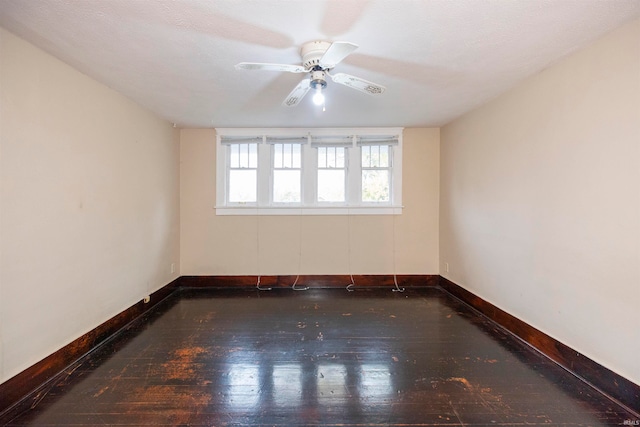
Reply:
x=437, y=58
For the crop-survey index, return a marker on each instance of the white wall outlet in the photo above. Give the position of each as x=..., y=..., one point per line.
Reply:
x=446, y=267
x=173, y=267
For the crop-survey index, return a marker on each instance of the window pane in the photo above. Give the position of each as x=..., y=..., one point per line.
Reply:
x=287, y=156
x=331, y=185
x=287, y=160
x=286, y=186
x=331, y=157
x=277, y=156
x=366, y=156
x=242, y=186
x=375, y=186
x=234, y=153
x=296, y=156
x=375, y=156
x=322, y=157
x=340, y=157
x=243, y=156
x=253, y=155
x=384, y=156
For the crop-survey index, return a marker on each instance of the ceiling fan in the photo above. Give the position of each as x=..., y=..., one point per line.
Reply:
x=318, y=58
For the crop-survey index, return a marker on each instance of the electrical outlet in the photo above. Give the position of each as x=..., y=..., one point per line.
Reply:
x=173, y=267
x=446, y=267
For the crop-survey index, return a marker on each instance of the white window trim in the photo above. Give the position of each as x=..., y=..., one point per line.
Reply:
x=309, y=206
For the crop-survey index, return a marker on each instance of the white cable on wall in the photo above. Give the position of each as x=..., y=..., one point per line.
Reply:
x=352, y=284
x=258, y=252
x=395, y=279
x=299, y=256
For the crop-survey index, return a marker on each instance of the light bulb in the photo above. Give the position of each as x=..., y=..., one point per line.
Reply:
x=318, y=98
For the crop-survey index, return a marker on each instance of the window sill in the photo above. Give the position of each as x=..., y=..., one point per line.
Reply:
x=310, y=210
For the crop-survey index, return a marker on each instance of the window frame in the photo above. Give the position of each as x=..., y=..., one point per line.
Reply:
x=309, y=205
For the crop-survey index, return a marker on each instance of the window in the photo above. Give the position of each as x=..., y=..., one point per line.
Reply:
x=243, y=173
x=375, y=174
x=331, y=174
x=242, y=170
x=309, y=171
x=287, y=173
x=376, y=170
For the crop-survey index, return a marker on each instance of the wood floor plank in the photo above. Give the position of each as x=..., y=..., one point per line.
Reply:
x=319, y=357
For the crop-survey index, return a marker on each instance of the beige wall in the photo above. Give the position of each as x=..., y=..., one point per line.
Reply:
x=270, y=245
x=540, y=201
x=89, y=204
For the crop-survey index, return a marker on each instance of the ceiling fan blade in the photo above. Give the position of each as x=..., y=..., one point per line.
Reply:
x=297, y=94
x=358, y=84
x=270, y=67
x=336, y=53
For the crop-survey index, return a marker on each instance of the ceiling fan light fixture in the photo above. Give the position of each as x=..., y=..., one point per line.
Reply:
x=318, y=98
x=318, y=83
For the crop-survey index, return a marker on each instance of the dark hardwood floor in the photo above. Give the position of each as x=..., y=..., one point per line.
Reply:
x=318, y=357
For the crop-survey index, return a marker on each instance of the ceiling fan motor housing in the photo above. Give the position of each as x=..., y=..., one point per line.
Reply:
x=312, y=52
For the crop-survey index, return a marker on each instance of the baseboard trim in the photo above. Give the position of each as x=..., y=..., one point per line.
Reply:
x=607, y=382
x=311, y=281
x=22, y=386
